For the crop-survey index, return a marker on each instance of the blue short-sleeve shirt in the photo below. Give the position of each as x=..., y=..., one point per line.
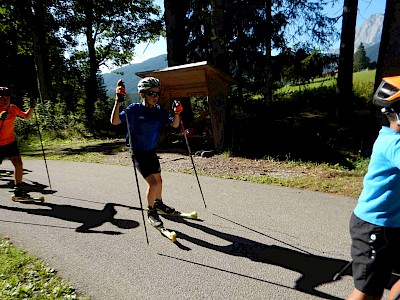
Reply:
x=144, y=125
x=379, y=201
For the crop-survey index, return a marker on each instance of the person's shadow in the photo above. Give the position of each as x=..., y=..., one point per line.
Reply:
x=7, y=178
x=314, y=270
x=88, y=217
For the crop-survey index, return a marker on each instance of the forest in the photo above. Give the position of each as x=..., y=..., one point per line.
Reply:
x=52, y=51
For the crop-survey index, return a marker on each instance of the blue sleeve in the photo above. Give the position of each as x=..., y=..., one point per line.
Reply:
x=122, y=116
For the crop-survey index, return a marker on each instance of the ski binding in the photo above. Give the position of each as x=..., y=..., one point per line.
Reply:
x=27, y=198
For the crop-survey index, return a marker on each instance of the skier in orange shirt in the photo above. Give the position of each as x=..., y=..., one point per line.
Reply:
x=8, y=144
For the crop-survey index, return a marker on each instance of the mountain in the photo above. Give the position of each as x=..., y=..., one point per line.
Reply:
x=372, y=52
x=370, y=32
x=127, y=74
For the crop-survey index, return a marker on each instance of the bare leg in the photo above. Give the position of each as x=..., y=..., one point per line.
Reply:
x=358, y=295
x=394, y=293
x=19, y=169
x=154, y=188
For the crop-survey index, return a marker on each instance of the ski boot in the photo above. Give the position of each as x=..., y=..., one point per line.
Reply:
x=20, y=193
x=162, y=208
x=153, y=217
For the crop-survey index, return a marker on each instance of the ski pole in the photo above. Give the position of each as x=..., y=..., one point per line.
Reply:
x=40, y=135
x=191, y=157
x=342, y=271
x=134, y=166
x=44, y=156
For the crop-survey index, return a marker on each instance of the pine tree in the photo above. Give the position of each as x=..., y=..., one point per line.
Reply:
x=361, y=60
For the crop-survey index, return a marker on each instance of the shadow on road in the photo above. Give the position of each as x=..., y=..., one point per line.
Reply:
x=315, y=270
x=7, y=177
x=90, y=218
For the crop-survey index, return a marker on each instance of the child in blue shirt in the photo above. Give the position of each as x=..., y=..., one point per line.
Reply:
x=375, y=222
x=145, y=120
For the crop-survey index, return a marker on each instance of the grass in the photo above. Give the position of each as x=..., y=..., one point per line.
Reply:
x=364, y=76
x=358, y=77
x=23, y=276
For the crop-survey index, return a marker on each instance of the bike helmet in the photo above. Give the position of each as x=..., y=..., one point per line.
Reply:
x=4, y=91
x=148, y=83
x=388, y=93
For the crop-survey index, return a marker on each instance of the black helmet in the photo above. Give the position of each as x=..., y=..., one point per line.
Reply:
x=388, y=93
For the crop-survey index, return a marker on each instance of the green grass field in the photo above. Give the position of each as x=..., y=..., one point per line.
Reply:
x=358, y=77
x=364, y=77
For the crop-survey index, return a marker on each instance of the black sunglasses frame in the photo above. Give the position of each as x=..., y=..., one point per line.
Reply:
x=153, y=94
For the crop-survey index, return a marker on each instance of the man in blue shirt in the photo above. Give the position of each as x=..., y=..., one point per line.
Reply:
x=375, y=222
x=145, y=120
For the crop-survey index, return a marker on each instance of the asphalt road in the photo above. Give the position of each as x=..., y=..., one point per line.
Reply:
x=252, y=241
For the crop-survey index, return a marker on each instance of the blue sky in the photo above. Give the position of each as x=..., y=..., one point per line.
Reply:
x=366, y=8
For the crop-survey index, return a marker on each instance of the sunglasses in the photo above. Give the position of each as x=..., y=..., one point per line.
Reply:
x=153, y=94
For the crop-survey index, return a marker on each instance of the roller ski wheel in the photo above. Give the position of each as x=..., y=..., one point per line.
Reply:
x=27, y=198
x=171, y=235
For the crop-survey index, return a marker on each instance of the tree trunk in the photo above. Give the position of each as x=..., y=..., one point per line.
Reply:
x=39, y=50
x=175, y=18
x=389, y=49
x=268, y=55
x=217, y=41
x=91, y=85
x=345, y=69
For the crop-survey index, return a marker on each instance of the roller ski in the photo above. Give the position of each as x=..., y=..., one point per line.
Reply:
x=171, y=235
x=155, y=221
x=165, y=210
x=5, y=173
x=21, y=195
x=26, y=198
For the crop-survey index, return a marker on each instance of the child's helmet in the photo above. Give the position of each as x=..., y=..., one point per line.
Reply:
x=148, y=83
x=4, y=91
x=388, y=93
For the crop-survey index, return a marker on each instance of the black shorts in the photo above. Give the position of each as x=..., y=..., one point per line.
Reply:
x=375, y=253
x=147, y=162
x=9, y=150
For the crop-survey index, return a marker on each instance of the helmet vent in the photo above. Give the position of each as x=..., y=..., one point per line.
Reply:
x=387, y=90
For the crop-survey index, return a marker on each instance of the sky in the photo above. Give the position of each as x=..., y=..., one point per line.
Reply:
x=366, y=8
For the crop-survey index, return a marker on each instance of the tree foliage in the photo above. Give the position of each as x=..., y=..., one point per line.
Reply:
x=245, y=32
x=110, y=30
x=361, y=60
x=63, y=43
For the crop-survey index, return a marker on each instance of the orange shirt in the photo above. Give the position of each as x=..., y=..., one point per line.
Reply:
x=7, y=126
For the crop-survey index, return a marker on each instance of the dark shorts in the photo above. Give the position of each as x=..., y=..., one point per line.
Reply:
x=375, y=252
x=147, y=162
x=9, y=150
